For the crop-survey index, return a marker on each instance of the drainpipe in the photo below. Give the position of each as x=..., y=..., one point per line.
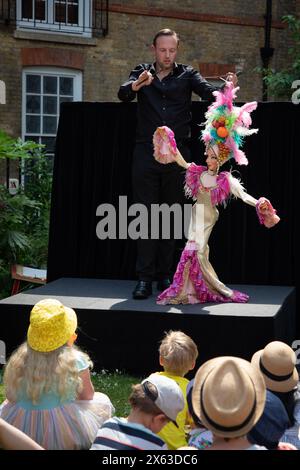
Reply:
x=266, y=52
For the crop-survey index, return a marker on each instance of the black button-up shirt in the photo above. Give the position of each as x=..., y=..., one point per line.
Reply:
x=166, y=102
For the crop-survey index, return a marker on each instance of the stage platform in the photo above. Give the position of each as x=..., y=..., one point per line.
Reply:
x=124, y=334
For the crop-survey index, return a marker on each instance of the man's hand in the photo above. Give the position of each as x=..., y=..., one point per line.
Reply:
x=232, y=77
x=145, y=78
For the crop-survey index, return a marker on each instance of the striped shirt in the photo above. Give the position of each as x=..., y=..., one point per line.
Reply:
x=119, y=434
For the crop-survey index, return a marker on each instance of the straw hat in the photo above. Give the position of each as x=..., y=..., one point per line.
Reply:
x=277, y=364
x=228, y=396
x=51, y=325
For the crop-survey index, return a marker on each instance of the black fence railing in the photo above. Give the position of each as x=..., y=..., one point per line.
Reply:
x=79, y=17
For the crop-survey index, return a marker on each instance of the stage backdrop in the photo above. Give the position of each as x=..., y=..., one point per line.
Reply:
x=92, y=166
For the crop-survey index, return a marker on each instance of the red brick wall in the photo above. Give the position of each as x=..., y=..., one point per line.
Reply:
x=49, y=56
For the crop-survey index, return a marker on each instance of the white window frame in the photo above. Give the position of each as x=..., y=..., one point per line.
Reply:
x=48, y=71
x=84, y=27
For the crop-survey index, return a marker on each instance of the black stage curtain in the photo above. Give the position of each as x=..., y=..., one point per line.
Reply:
x=92, y=166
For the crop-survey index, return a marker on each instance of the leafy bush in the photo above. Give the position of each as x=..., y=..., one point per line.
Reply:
x=24, y=217
x=279, y=83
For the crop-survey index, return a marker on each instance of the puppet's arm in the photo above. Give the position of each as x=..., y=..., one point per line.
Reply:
x=181, y=161
x=265, y=211
x=238, y=190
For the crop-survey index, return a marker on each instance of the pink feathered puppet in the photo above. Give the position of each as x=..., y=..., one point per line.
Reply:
x=165, y=151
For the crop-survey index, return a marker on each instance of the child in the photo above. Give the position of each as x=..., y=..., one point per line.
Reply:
x=154, y=402
x=199, y=437
x=48, y=388
x=277, y=363
x=177, y=355
x=266, y=432
x=229, y=398
x=272, y=424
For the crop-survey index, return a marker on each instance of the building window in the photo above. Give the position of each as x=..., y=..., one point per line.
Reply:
x=43, y=92
x=62, y=16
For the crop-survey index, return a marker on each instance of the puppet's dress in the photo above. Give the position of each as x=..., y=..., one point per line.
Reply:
x=195, y=280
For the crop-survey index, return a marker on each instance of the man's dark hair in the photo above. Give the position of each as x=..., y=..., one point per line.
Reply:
x=165, y=32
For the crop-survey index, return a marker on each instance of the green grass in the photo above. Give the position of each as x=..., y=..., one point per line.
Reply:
x=116, y=385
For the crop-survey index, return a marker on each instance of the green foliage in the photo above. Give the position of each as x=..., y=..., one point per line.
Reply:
x=24, y=217
x=16, y=148
x=279, y=83
x=13, y=236
x=38, y=183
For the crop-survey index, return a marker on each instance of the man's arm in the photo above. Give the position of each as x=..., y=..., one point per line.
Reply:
x=138, y=78
x=200, y=86
x=203, y=88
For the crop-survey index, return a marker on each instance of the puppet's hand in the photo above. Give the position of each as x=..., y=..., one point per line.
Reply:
x=165, y=148
x=266, y=213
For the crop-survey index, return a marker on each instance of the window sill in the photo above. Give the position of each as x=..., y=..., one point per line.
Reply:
x=54, y=37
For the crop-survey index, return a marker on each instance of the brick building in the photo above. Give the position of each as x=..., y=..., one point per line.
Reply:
x=64, y=50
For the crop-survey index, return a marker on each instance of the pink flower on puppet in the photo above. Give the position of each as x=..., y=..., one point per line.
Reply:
x=164, y=143
x=266, y=213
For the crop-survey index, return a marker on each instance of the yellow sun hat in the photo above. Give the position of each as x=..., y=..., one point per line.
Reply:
x=51, y=325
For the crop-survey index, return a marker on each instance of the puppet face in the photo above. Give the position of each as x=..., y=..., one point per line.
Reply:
x=211, y=159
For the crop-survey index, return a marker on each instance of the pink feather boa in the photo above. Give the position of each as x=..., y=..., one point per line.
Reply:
x=218, y=195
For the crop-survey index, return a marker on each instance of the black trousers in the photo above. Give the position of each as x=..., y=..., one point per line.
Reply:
x=155, y=183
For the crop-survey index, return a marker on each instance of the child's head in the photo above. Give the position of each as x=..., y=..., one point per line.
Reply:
x=177, y=353
x=46, y=362
x=51, y=325
x=277, y=363
x=158, y=397
x=228, y=396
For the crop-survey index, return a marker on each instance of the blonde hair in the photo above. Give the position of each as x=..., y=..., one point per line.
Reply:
x=33, y=373
x=139, y=400
x=178, y=353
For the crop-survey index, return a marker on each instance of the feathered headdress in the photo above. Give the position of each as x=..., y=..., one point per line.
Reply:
x=227, y=125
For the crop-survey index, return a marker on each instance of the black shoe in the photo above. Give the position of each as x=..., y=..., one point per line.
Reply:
x=142, y=290
x=163, y=284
